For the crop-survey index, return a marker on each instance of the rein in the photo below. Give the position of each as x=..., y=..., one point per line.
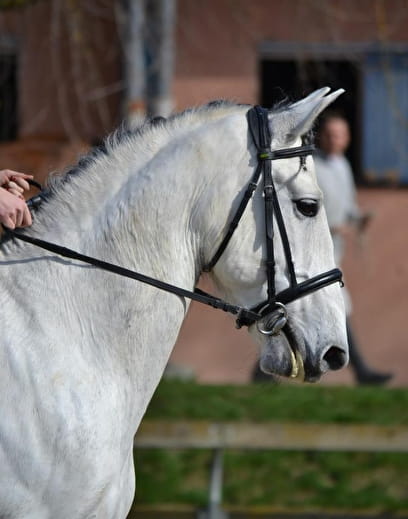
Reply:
x=275, y=303
x=198, y=295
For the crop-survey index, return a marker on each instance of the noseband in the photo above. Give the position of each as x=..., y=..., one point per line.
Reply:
x=274, y=307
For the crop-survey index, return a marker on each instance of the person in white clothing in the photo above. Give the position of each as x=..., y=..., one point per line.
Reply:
x=335, y=179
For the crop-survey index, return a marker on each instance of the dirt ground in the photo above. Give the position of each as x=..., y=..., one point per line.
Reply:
x=376, y=273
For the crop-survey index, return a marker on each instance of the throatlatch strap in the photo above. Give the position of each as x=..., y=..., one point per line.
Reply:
x=235, y=221
x=253, y=122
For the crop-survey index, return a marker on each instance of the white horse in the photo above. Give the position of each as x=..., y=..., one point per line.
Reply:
x=82, y=350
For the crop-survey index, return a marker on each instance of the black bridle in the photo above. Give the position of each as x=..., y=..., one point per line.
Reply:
x=275, y=302
x=274, y=305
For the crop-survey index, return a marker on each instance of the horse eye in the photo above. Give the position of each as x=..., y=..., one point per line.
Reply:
x=307, y=206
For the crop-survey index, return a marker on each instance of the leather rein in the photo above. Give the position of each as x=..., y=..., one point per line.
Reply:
x=274, y=305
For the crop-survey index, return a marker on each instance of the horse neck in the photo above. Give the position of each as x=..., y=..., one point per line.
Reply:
x=159, y=212
x=168, y=216
x=79, y=196
x=162, y=221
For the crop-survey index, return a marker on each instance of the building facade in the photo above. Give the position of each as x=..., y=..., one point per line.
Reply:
x=62, y=66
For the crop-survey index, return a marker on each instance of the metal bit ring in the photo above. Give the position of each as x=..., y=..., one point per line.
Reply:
x=279, y=318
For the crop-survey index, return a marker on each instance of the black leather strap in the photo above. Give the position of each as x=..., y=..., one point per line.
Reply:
x=288, y=153
x=197, y=295
x=237, y=217
x=263, y=139
x=293, y=293
x=284, y=238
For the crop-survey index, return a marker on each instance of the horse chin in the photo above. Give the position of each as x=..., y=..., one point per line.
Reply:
x=283, y=357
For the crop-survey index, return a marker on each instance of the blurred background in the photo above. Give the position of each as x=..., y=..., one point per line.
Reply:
x=71, y=71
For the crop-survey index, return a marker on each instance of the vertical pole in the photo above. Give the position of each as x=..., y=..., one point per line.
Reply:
x=160, y=48
x=214, y=510
x=134, y=62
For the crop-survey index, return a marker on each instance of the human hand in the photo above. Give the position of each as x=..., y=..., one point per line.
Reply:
x=14, y=181
x=14, y=211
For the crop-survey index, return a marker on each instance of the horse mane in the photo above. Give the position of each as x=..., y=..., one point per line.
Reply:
x=141, y=137
x=79, y=183
x=100, y=173
x=137, y=137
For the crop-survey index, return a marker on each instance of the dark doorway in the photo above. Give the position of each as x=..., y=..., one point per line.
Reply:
x=8, y=97
x=292, y=80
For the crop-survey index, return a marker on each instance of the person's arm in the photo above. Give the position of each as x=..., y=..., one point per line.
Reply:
x=13, y=209
x=357, y=218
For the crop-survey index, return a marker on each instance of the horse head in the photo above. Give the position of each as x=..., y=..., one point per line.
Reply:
x=281, y=254
x=77, y=341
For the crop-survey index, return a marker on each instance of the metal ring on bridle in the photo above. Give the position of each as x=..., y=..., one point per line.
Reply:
x=278, y=320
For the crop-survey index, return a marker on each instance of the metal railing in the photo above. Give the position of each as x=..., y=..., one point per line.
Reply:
x=219, y=436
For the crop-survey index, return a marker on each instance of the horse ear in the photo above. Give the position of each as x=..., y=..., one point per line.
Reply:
x=298, y=118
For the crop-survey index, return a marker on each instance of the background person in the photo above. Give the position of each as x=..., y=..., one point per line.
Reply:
x=13, y=209
x=336, y=181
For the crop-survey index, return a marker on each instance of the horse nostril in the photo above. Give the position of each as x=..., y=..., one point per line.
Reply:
x=335, y=358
